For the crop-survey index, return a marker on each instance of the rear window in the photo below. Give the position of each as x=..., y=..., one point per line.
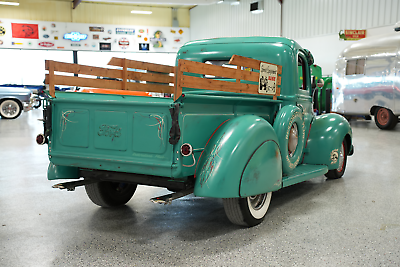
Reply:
x=223, y=63
x=355, y=66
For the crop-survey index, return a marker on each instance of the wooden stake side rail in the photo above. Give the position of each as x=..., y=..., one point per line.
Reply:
x=186, y=66
x=160, y=77
x=163, y=76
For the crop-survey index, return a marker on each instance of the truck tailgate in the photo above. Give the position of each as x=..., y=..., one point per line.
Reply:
x=111, y=132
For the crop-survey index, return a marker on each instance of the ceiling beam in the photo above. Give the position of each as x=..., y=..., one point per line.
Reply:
x=76, y=3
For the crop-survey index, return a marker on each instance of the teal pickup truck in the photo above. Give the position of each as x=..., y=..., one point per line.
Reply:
x=240, y=126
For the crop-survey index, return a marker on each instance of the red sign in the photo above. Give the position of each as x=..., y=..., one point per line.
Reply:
x=27, y=31
x=46, y=44
x=354, y=34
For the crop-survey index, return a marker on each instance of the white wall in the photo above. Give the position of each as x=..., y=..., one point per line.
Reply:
x=326, y=49
x=27, y=66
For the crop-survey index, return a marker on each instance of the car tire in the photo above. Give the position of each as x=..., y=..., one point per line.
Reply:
x=385, y=119
x=10, y=109
x=248, y=211
x=338, y=173
x=110, y=194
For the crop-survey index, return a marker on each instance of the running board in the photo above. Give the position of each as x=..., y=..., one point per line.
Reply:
x=167, y=199
x=303, y=173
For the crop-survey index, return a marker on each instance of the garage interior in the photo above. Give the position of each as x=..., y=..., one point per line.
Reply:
x=351, y=221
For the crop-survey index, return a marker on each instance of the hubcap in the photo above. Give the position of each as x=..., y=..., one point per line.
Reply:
x=383, y=116
x=293, y=139
x=257, y=202
x=9, y=108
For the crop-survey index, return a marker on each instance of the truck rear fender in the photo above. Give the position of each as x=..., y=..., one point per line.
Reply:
x=242, y=158
x=326, y=135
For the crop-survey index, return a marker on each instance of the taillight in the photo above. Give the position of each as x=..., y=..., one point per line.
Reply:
x=186, y=150
x=40, y=139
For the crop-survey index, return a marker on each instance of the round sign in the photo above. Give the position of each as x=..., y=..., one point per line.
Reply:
x=2, y=31
x=123, y=43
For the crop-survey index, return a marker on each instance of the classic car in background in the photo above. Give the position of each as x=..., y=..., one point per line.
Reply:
x=13, y=100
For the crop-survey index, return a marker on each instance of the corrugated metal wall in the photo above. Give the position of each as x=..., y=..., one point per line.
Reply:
x=331, y=16
x=223, y=20
x=301, y=18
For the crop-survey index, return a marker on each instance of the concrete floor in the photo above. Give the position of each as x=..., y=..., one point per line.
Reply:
x=353, y=221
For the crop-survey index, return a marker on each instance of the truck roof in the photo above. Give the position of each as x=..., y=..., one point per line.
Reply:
x=253, y=39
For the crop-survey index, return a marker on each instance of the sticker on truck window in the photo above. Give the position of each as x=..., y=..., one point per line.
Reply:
x=268, y=79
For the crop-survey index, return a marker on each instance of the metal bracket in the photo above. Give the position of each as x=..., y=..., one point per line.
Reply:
x=167, y=199
x=70, y=186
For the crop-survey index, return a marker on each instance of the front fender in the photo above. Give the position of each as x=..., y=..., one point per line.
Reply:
x=242, y=158
x=326, y=135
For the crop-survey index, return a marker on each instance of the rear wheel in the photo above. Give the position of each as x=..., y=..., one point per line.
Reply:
x=10, y=109
x=342, y=158
x=248, y=211
x=385, y=119
x=110, y=194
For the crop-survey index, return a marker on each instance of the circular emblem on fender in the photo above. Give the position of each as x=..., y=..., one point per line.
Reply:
x=2, y=31
x=334, y=156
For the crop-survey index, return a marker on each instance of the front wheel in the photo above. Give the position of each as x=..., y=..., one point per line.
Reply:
x=338, y=173
x=248, y=211
x=385, y=119
x=110, y=194
x=10, y=109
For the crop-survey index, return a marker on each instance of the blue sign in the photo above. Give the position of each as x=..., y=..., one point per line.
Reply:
x=75, y=36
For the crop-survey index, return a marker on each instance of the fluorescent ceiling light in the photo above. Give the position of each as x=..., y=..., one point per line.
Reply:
x=257, y=11
x=235, y=3
x=9, y=3
x=141, y=12
x=220, y=2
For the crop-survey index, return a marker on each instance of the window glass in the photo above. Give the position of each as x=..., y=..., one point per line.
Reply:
x=223, y=63
x=355, y=66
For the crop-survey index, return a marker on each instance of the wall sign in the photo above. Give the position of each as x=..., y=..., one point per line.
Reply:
x=2, y=31
x=352, y=35
x=125, y=31
x=123, y=43
x=46, y=44
x=96, y=29
x=75, y=36
x=158, y=39
x=105, y=46
x=144, y=47
x=26, y=31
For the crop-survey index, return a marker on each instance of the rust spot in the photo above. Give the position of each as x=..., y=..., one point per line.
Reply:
x=277, y=154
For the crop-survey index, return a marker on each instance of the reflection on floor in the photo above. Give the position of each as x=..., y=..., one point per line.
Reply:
x=350, y=221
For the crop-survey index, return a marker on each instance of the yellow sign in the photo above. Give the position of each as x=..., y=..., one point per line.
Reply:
x=2, y=31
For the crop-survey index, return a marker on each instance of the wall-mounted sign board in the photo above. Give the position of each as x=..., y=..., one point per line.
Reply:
x=28, y=34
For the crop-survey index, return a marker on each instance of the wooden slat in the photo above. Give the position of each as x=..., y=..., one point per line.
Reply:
x=87, y=70
x=208, y=84
x=124, y=74
x=50, y=65
x=150, y=77
x=108, y=84
x=133, y=64
x=178, y=81
x=208, y=69
x=250, y=63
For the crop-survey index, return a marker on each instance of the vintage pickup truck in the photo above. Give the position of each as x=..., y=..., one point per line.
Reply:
x=239, y=127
